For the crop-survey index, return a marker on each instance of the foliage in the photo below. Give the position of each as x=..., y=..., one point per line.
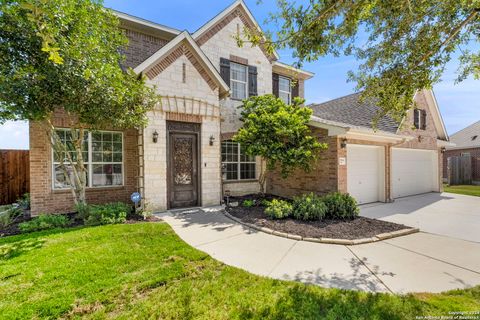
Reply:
x=44, y=222
x=469, y=190
x=279, y=209
x=264, y=202
x=248, y=203
x=109, y=213
x=145, y=270
x=9, y=214
x=407, y=47
x=341, y=206
x=309, y=207
x=24, y=201
x=278, y=133
x=66, y=56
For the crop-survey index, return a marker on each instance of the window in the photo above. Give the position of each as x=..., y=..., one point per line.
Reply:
x=284, y=89
x=103, y=157
x=238, y=81
x=465, y=154
x=420, y=119
x=237, y=165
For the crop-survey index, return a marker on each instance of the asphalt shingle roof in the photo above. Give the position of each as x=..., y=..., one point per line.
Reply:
x=467, y=137
x=349, y=110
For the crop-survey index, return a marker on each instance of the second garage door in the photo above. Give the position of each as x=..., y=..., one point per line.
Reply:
x=413, y=172
x=365, y=173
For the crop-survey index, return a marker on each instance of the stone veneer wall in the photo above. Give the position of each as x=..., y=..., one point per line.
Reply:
x=169, y=83
x=46, y=200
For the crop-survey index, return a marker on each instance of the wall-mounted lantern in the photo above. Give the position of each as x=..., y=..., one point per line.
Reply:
x=343, y=144
x=212, y=139
x=443, y=149
x=420, y=138
x=155, y=136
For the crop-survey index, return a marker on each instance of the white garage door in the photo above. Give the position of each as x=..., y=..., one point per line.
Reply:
x=413, y=172
x=365, y=173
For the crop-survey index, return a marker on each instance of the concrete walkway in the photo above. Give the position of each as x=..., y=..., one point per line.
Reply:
x=420, y=262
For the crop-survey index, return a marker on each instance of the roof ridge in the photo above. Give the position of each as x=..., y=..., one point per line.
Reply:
x=467, y=127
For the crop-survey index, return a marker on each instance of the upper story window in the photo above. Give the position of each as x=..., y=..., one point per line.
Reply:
x=102, y=155
x=420, y=119
x=285, y=89
x=237, y=164
x=238, y=81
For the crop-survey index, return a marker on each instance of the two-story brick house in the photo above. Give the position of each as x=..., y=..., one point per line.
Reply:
x=177, y=159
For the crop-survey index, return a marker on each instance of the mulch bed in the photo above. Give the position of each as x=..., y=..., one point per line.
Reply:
x=358, y=228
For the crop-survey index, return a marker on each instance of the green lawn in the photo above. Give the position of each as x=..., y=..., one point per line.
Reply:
x=145, y=271
x=463, y=189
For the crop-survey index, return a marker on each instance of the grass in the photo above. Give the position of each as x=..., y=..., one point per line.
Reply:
x=144, y=271
x=468, y=190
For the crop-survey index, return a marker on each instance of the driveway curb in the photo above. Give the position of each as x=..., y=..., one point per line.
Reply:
x=345, y=242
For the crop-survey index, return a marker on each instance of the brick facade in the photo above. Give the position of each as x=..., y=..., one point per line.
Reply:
x=44, y=199
x=140, y=47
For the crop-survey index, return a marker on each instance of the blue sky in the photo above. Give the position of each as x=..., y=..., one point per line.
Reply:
x=459, y=104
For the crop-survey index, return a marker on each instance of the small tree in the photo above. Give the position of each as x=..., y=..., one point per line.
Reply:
x=279, y=134
x=65, y=56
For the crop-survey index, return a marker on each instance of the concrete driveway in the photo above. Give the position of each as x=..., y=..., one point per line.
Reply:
x=420, y=262
x=446, y=214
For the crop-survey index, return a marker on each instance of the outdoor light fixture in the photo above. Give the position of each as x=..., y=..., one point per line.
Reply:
x=212, y=139
x=443, y=149
x=343, y=145
x=155, y=136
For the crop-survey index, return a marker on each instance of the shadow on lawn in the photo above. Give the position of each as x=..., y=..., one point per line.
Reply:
x=304, y=302
x=14, y=249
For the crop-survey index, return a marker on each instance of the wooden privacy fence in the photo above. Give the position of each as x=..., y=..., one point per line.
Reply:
x=459, y=170
x=14, y=175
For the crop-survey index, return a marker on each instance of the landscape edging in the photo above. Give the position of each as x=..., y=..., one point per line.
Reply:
x=345, y=242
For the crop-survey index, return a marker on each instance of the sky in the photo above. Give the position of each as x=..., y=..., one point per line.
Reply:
x=459, y=103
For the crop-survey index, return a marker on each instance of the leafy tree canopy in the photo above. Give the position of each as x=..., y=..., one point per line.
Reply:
x=278, y=133
x=67, y=54
x=408, y=42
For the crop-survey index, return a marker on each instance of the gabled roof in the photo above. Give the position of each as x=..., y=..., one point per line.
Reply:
x=146, y=26
x=468, y=137
x=184, y=38
x=238, y=4
x=348, y=110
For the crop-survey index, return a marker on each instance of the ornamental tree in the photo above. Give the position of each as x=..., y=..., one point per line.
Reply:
x=407, y=45
x=278, y=133
x=65, y=56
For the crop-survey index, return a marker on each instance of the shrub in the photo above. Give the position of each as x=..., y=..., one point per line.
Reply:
x=109, y=213
x=8, y=215
x=279, y=209
x=309, y=207
x=341, y=206
x=24, y=201
x=264, y=203
x=44, y=222
x=248, y=203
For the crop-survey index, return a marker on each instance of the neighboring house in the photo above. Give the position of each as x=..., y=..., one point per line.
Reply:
x=467, y=142
x=185, y=156
x=372, y=165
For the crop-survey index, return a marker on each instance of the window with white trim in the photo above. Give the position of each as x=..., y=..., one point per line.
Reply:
x=285, y=89
x=103, y=157
x=237, y=164
x=238, y=81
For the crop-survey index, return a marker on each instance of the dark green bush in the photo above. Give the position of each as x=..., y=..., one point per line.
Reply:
x=341, y=206
x=309, y=207
x=248, y=203
x=279, y=209
x=44, y=222
x=109, y=213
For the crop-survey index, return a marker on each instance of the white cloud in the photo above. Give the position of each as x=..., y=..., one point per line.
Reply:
x=14, y=135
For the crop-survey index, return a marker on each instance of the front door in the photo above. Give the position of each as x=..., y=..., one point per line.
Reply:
x=183, y=169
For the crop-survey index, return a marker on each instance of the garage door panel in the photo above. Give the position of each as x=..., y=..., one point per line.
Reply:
x=363, y=175
x=413, y=172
